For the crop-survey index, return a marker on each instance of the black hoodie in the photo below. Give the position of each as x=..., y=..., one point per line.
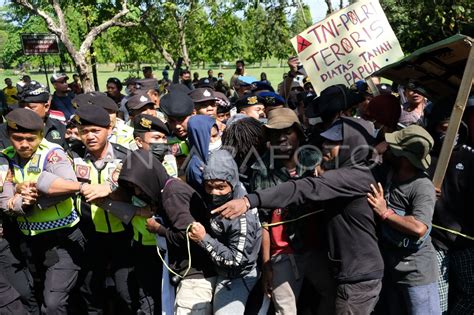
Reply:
x=353, y=244
x=177, y=203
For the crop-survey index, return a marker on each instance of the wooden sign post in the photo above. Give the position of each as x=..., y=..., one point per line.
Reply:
x=455, y=120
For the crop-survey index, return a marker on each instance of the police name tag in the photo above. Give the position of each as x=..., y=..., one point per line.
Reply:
x=34, y=164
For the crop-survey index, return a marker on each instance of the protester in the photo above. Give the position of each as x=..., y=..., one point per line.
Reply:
x=453, y=211
x=405, y=211
x=179, y=206
x=355, y=257
x=414, y=109
x=233, y=245
x=62, y=96
x=285, y=250
x=204, y=139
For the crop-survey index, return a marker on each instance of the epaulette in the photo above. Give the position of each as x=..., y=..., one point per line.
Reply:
x=120, y=151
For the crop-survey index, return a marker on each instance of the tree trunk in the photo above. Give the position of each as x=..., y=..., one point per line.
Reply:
x=182, y=41
x=83, y=70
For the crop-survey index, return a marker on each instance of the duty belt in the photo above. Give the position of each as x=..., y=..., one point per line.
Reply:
x=49, y=225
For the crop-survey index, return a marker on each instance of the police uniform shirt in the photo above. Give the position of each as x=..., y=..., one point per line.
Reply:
x=57, y=165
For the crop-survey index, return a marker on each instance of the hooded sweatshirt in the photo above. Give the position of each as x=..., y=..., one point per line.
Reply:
x=178, y=204
x=233, y=245
x=352, y=240
x=199, y=137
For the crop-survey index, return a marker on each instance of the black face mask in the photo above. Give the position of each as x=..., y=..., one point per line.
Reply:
x=159, y=150
x=187, y=82
x=74, y=143
x=215, y=201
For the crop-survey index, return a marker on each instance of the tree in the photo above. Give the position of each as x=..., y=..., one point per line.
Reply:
x=54, y=16
x=423, y=22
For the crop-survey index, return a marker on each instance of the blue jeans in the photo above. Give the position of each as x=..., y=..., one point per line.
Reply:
x=423, y=299
x=230, y=295
x=417, y=300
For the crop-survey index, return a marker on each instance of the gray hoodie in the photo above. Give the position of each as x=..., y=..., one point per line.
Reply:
x=233, y=245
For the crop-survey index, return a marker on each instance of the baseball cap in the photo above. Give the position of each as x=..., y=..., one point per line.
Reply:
x=334, y=133
x=414, y=143
x=33, y=93
x=58, y=76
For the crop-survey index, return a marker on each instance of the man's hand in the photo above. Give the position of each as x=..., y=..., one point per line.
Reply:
x=232, y=209
x=267, y=279
x=382, y=147
x=377, y=199
x=438, y=193
x=152, y=225
x=95, y=191
x=197, y=232
x=28, y=192
x=26, y=187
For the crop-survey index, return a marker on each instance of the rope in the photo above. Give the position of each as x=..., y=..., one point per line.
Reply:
x=453, y=232
x=189, y=256
x=267, y=225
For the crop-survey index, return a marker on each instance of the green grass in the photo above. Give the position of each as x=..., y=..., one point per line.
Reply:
x=274, y=74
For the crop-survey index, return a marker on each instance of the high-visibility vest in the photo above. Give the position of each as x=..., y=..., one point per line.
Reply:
x=86, y=171
x=37, y=221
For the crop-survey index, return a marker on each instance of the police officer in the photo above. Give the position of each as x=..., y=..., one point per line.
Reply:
x=16, y=285
x=150, y=135
x=36, y=98
x=108, y=239
x=44, y=180
x=121, y=133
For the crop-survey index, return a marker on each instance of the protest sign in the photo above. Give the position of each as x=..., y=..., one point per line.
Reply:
x=349, y=45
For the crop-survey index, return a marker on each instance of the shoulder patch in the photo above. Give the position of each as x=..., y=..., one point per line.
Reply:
x=54, y=157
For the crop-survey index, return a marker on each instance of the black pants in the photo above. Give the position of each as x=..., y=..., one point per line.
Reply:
x=57, y=257
x=357, y=298
x=148, y=270
x=106, y=253
x=16, y=279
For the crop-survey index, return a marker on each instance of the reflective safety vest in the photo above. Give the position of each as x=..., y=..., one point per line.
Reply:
x=86, y=171
x=122, y=134
x=140, y=233
x=37, y=221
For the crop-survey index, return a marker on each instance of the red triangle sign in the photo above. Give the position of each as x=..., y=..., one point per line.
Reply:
x=302, y=43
